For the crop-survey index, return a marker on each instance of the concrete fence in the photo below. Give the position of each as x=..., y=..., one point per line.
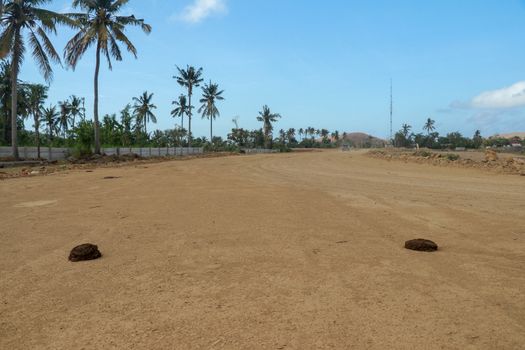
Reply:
x=258, y=150
x=32, y=153
x=63, y=153
x=153, y=151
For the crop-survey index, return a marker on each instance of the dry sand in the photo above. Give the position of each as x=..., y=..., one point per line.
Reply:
x=289, y=251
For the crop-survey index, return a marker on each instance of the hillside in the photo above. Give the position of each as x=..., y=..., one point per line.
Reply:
x=360, y=139
x=511, y=135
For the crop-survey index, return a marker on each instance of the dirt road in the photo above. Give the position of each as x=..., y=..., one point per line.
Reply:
x=290, y=251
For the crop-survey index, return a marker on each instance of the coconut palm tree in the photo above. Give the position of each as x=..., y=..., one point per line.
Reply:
x=310, y=131
x=103, y=27
x=267, y=117
x=405, y=129
x=290, y=135
x=210, y=95
x=282, y=136
x=65, y=115
x=50, y=116
x=143, y=110
x=5, y=98
x=429, y=126
x=76, y=109
x=189, y=78
x=37, y=95
x=324, y=134
x=21, y=17
x=181, y=108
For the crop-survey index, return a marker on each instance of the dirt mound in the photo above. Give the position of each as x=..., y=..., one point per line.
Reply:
x=421, y=245
x=84, y=252
x=491, y=155
x=491, y=161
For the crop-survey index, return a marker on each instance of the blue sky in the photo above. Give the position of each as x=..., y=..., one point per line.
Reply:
x=325, y=64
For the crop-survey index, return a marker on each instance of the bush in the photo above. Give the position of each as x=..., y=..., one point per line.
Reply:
x=424, y=154
x=452, y=157
x=82, y=152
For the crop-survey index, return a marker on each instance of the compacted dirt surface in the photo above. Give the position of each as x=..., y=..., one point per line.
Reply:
x=286, y=251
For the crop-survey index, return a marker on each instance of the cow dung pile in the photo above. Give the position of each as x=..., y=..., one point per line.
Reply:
x=84, y=252
x=421, y=245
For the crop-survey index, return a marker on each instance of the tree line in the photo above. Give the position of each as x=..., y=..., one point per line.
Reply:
x=24, y=25
x=405, y=137
x=99, y=24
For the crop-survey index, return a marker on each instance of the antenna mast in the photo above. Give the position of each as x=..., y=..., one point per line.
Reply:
x=391, y=111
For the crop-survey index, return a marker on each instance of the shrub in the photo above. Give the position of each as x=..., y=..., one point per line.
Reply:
x=452, y=157
x=424, y=154
x=81, y=152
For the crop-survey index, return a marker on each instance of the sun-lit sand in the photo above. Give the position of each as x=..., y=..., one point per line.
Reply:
x=287, y=251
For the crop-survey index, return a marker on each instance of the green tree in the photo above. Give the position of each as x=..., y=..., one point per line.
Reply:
x=405, y=129
x=210, y=95
x=143, y=110
x=189, y=78
x=477, y=140
x=290, y=135
x=267, y=118
x=65, y=115
x=5, y=99
x=37, y=97
x=324, y=134
x=181, y=108
x=429, y=126
x=102, y=26
x=20, y=17
x=76, y=109
x=126, y=121
x=50, y=116
x=310, y=131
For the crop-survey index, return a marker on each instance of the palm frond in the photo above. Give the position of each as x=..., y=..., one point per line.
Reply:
x=39, y=54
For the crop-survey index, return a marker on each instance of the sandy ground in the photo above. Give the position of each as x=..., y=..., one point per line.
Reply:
x=289, y=251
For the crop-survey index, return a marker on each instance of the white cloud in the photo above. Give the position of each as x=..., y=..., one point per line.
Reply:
x=500, y=109
x=201, y=9
x=508, y=97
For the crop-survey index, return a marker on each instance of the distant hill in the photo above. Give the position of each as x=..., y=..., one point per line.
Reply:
x=511, y=135
x=360, y=139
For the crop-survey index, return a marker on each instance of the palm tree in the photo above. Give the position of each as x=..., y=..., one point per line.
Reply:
x=181, y=108
x=189, y=78
x=310, y=131
x=290, y=134
x=102, y=26
x=143, y=110
x=126, y=121
x=76, y=108
x=429, y=126
x=282, y=136
x=406, y=130
x=19, y=16
x=335, y=136
x=37, y=97
x=267, y=117
x=50, y=118
x=5, y=98
x=324, y=134
x=65, y=113
x=210, y=94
